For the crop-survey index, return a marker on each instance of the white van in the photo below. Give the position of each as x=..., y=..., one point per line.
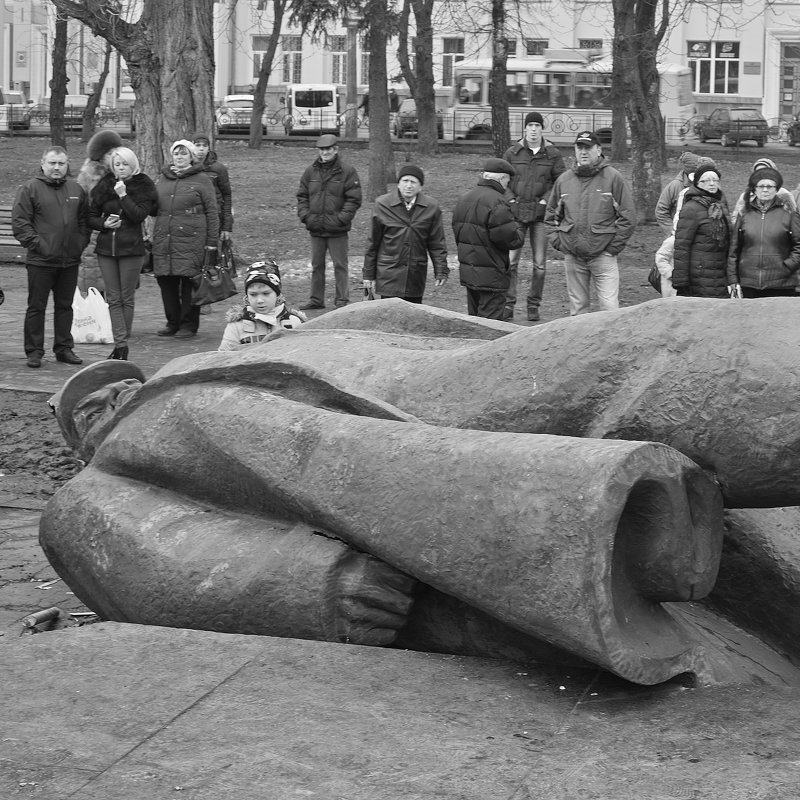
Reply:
x=311, y=109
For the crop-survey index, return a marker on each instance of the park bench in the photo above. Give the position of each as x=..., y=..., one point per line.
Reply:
x=10, y=248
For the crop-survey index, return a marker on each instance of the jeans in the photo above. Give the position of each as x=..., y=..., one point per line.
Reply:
x=121, y=277
x=337, y=247
x=538, y=239
x=600, y=273
x=62, y=282
x=176, y=296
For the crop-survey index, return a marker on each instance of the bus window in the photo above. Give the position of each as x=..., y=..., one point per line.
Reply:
x=517, y=88
x=559, y=90
x=592, y=90
x=470, y=90
x=314, y=98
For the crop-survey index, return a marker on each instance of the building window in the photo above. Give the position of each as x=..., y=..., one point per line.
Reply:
x=715, y=67
x=292, y=51
x=536, y=47
x=364, y=61
x=511, y=47
x=338, y=48
x=453, y=51
x=590, y=44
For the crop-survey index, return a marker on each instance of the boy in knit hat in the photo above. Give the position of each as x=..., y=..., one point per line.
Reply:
x=667, y=205
x=264, y=311
x=537, y=163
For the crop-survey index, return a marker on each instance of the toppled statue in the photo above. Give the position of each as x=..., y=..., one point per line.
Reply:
x=330, y=482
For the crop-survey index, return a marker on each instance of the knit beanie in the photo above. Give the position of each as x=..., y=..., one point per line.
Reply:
x=188, y=145
x=765, y=173
x=412, y=170
x=689, y=161
x=534, y=116
x=701, y=170
x=262, y=272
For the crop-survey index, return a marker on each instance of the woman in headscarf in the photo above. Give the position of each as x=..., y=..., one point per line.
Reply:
x=184, y=236
x=702, y=237
x=765, y=248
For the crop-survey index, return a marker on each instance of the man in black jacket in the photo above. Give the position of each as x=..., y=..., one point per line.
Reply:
x=537, y=163
x=486, y=229
x=50, y=219
x=327, y=200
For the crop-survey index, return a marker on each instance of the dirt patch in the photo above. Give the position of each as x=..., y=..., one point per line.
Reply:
x=34, y=459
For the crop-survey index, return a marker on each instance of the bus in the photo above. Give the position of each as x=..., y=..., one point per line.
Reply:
x=570, y=88
x=311, y=109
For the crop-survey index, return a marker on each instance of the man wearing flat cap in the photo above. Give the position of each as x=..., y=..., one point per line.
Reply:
x=327, y=200
x=537, y=163
x=590, y=217
x=486, y=229
x=406, y=228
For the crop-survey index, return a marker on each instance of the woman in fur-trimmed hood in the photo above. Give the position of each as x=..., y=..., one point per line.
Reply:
x=264, y=309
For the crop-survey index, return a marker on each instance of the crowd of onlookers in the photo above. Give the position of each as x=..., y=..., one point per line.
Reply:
x=175, y=226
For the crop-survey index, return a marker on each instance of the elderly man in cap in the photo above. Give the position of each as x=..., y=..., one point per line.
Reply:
x=537, y=163
x=667, y=205
x=590, y=217
x=327, y=200
x=406, y=228
x=486, y=229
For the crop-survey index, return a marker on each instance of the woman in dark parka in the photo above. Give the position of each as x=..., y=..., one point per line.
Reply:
x=185, y=234
x=702, y=236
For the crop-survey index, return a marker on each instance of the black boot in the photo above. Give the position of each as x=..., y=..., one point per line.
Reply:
x=122, y=352
x=113, y=355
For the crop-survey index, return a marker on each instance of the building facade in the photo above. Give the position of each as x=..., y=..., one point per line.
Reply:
x=740, y=53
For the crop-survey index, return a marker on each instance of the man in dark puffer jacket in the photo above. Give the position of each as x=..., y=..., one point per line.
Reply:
x=327, y=200
x=486, y=229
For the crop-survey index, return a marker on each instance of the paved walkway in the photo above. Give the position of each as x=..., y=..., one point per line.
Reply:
x=110, y=711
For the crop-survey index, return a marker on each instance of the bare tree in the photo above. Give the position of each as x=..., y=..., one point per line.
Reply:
x=90, y=112
x=265, y=71
x=169, y=52
x=636, y=42
x=420, y=79
x=381, y=155
x=58, y=83
x=501, y=134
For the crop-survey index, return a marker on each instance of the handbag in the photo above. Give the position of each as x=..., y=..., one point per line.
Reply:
x=212, y=285
x=654, y=278
x=91, y=321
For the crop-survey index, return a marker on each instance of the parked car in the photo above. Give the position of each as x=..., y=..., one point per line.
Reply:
x=406, y=122
x=19, y=113
x=234, y=114
x=732, y=125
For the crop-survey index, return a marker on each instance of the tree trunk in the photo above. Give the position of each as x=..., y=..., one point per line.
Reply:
x=264, y=72
x=58, y=83
x=501, y=135
x=425, y=96
x=169, y=52
x=635, y=51
x=381, y=155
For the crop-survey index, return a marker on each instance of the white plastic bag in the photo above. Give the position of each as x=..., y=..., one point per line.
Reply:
x=91, y=322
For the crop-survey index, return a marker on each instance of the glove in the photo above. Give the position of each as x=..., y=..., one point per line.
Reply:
x=735, y=291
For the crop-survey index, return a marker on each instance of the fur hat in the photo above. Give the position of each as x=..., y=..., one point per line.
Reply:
x=765, y=173
x=534, y=116
x=413, y=170
x=102, y=143
x=263, y=272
